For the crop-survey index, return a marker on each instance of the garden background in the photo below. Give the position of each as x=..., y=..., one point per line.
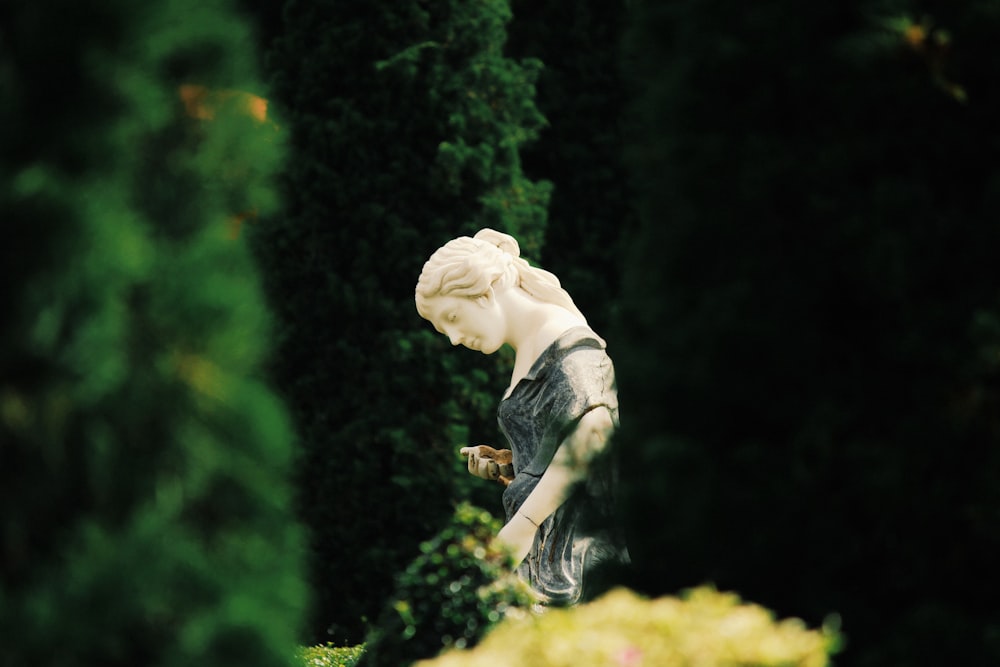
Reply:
x=225, y=432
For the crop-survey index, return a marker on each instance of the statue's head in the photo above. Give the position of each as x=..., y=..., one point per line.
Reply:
x=457, y=288
x=468, y=267
x=461, y=281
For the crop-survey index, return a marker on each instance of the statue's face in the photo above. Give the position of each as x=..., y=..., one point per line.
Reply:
x=478, y=323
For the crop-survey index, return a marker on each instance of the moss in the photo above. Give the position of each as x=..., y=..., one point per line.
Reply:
x=330, y=656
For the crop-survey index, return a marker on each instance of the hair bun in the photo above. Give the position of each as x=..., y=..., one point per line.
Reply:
x=505, y=242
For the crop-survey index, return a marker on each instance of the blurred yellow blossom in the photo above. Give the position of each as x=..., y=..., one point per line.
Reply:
x=705, y=628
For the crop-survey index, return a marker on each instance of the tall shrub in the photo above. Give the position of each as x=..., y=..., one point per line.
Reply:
x=812, y=311
x=144, y=479
x=405, y=122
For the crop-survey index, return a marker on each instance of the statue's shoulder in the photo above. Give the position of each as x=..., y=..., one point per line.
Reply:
x=584, y=361
x=579, y=338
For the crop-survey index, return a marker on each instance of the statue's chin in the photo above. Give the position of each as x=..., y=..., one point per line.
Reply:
x=487, y=349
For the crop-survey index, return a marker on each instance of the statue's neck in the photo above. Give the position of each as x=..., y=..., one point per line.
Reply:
x=537, y=334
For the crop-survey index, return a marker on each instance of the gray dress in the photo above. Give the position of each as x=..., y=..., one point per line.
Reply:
x=572, y=377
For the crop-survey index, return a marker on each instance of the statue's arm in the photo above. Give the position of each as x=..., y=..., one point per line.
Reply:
x=569, y=465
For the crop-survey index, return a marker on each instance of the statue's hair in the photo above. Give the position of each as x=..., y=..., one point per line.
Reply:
x=470, y=266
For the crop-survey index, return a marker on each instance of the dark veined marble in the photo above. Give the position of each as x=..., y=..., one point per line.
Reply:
x=572, y=377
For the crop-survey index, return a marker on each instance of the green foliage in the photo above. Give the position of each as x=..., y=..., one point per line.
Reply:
x=144, y=495
x=460, y=586
x=330, y=656
x=704, y=628
x=807, y=349
x=404, y=121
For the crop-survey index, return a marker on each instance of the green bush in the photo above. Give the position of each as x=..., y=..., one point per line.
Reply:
x=459, y=587
x=144, y=500
x=705, y=628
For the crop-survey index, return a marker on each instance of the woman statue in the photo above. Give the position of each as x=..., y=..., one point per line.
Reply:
x=557, y=414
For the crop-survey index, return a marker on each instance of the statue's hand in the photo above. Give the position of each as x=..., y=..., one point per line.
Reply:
x=489, y=463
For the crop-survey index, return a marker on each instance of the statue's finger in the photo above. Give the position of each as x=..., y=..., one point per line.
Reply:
x=473, y=463
x=492, y=469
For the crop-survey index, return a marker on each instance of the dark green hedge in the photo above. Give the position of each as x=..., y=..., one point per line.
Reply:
x=813, y=317
x=144, y=478
x=405, y=122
